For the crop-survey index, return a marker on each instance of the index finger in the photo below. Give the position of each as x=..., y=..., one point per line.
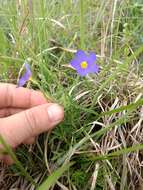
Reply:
x=10, y=96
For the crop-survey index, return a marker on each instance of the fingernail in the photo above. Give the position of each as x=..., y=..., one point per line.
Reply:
x=55, y=113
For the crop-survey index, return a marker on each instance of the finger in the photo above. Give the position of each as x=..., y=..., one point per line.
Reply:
x=19, y=127
x=29, y=141
x=19, y=97
x=5, y=112
x=7, y=160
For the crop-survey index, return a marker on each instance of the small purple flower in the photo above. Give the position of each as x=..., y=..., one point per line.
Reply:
x=85, y=63
x=27, y=75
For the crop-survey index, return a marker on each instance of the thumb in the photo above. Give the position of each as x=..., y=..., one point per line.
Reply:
x=19, y=127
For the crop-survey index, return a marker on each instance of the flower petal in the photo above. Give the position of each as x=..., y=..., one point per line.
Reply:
x=92, y=56
x=80, y=54
x=92, y=66
x=28, y=71
x=26, y=76
x=95, y=68
x=75, y=63
x=82, y=72
x=21, y=82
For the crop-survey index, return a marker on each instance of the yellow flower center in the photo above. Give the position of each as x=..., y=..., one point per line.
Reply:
x=84, y=65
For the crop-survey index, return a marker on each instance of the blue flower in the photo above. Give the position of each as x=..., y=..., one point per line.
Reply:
x=27, y=75
x=85, y=63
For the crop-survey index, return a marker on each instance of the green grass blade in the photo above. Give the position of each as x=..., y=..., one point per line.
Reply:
x=82, y=46
x=122, y=108
x=119, y=152
x=54, y=177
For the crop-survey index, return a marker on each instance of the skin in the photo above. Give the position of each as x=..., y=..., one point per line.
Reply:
x=24, y=114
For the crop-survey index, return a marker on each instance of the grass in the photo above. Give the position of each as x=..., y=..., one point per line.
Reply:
x=102, y=131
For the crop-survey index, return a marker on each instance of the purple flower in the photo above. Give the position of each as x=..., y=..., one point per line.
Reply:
x=27, y=75
x=85, y=63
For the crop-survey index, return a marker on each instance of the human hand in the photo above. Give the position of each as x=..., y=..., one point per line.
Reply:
x=24, y=114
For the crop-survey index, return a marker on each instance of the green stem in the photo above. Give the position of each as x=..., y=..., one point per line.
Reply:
x=47, y=96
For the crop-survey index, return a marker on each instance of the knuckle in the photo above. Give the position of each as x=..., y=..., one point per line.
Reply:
x=29, y=98
x=31, y=121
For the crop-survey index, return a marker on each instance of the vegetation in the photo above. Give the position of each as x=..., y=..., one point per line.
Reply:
x=99, y=144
